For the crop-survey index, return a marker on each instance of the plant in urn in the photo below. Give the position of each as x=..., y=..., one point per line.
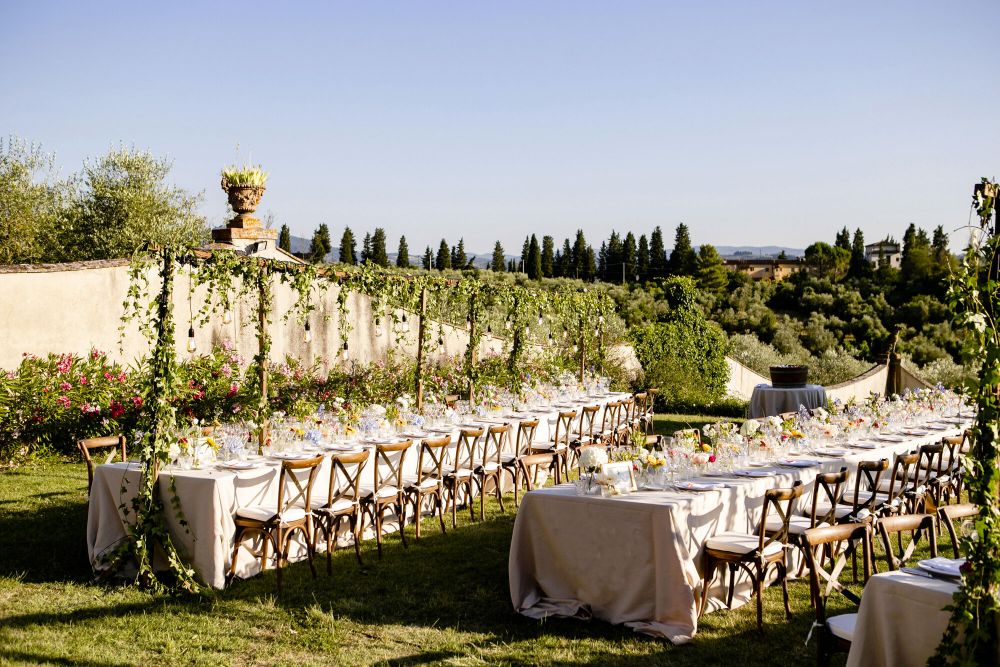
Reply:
x=244, y=186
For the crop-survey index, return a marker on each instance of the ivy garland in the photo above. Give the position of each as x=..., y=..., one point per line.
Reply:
x=971, y=637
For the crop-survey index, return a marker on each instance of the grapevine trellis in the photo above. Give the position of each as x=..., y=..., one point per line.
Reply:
x=581, y=318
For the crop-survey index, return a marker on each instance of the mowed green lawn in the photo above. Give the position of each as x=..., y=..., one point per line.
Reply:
x=442, y=601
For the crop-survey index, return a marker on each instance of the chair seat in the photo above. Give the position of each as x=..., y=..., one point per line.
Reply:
x=848, y=498
x=339, y=505
x=796, y=524
x=382, y=494
x=740, y=544
x=460, y=473
x=268, y=512
x=823, y=509
x=508, y=459
x=410, y=483
x=543, y=447
x=490, y=466
x=842, y=626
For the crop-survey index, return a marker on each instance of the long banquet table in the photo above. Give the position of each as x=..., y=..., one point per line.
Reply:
x=209, y=498
x=635, y=559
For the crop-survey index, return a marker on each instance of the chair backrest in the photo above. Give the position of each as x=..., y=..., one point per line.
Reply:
x=782, y=503
x=525, y=436
x=564, y=427
x=451, y=400
x=534, y=461
x=823, y=582
x=493, y=446
x=898, y=525
x=609, y=422
x=116, y=445
x=588, y=414
x=389, y=457
x=652, y=392
x=432, y=458
x=295, y=483
x=640, y=399
x=345, y=476
x=625, y=415
x=902, y=473
x=827, y=486
x=949, y=514
x=931, y=456
x=467, y=449
x=953, y=445
x=866, y=485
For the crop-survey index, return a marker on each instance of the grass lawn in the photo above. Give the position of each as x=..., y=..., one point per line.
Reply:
x=442, y=601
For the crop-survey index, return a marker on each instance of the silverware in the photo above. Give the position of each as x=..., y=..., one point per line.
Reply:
x=917, y=572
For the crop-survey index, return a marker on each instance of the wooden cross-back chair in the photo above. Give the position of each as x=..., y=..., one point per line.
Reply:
x=463, y=470
x=429, y=480
x=510, y=463
x=342, y=501
x=626, y=421
x=531, y=463
x=558, y=444
x=754, y=554
x=640, y=406
x=915, y=524
x=451, y=400
x=276, y=524
x=115, y=444
x=389, y=490
x=928, y=476
x=650, y=416
x=488, y=468
x=584, y=433
x=609, y=424
x=951, y=465
x=834, y=632
x=863, y=501
x=899, y=486
x=949, y=514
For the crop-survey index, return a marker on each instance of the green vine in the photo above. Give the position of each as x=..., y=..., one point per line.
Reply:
x=971, y=637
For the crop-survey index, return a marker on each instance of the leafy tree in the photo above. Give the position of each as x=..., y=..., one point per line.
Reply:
x=642, y=261
x=657, y=254
x=498, y=263
x=548, y=256
x=711, y=270
x=683, y=261
x=584, y=263
x=285, y=239
x=827, y=260
x=564, y=265
x=348, y=248
x=32, y=205
x=428, y=261
x=366, y=249
x=320, y=245
x=602, y=261
x=403, y=254
x=511, y=266
x=379, y=255
x=525, y=251
x=443, y=260
x=589, y=264
x=859, y=266
x=843, y=239
x=629, y=256
x=534, y=265
x=124, y=203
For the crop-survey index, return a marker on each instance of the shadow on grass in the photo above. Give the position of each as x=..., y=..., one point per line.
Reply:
x=24, y=658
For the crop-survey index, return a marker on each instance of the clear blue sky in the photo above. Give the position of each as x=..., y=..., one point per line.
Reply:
x=754, y=122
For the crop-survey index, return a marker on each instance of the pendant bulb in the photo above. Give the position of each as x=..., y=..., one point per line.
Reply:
x=192, y=346
x=227, y=316
x=308, y=335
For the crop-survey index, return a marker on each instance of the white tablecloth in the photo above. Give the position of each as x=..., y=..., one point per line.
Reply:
x=768, y=401
x=901, y=620
x=209, y=499
x=636, y=559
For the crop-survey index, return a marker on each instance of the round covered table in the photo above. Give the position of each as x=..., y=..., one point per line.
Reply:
x=768, y=401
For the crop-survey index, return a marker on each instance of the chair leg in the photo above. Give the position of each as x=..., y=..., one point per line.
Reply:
x=417, y=513
x=310, y=552
x=277, y=559
x=453, y=497
x=470, y=501
x=499, y=491
x=354, y=522
x=439, y=503
x=329, y=530
x=732, y=583
x=482, y=497
x=517, y=479
x=378, y=529
x=236, y=552
x=401, y=517
x=783, y=574
x=758, y=586
x=709, y=575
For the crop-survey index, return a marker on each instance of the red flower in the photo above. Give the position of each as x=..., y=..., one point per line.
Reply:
x=137, y=401
x=117, y=409
x=109, y=377
x=64, y=401
x=83, y=379
x=233, y=389
x=65, y=386
x=711, y=459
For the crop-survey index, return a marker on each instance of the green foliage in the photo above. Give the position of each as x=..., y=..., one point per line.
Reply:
x=379, y=255
x=685, y=355
x=285, y=239
x=443, y=260
x=246, y=176
x=403, y=254
x=33, y=204
x=683, y=261
x=497, y=264
x=828, y=261
x=712, y=275
x=320, y=245
x=348, y=248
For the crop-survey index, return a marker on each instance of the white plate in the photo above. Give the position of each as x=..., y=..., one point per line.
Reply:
x=290, y=456
x=890, y=438
x=947, y=567
x=753, y=473
x=799, y=463
x=698, y=486
x=835, y=452
x=757, y=464
x=237, y=465
x=916, y=432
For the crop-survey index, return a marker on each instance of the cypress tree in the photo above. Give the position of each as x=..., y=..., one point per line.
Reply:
x=347, y=247
x=614, y=259
x=711, y=270
x=443, y=257
x=498, y=263
x=285, y=239
x=683, y=261
x=859, y=266
x=629, y=259
x=428, y=259
x=548, y=256
x=657, y=254
x=524, y=253
x=458, y=258
x=642, y=261
x=403, y=254
x=843, y=239
x=564, y=266
x=534, y=266
x=366, y=249
x=379, y=255
x=320, y=245
x=581, y=261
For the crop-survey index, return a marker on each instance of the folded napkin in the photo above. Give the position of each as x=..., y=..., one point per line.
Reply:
x=699, y=486
x=950, y=567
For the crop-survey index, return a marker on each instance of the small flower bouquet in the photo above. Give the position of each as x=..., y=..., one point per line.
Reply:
x=591, y=460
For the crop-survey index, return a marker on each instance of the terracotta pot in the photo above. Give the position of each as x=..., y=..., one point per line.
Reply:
x=787, y=377
x=244, y=198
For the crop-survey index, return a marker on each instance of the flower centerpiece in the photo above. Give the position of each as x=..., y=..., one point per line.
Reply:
x=591, y=460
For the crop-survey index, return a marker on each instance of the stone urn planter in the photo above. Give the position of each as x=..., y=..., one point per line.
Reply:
x=788, y=377
x=244, y=199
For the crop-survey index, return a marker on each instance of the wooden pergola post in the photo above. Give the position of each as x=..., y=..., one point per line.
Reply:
x=471, y=356
x=583, y=352
x=263, y=297
x=420, y=350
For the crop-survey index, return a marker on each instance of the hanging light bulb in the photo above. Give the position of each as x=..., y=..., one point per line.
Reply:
x=404, y=326
x=576, y=348
x=344, y=353
x=192, y=345
x=227, y=316
x=550, y=337
x=309, y=335
x=541, y=319
x=441, y=344
x=527, y=330
x=508, y=324
x=489, y=328
x=601, y=319
x=378, y=326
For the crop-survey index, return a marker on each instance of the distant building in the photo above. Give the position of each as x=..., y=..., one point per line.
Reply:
x=765, y=269
x=888, y=251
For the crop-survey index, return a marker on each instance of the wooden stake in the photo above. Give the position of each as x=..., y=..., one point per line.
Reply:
x=420, y=349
